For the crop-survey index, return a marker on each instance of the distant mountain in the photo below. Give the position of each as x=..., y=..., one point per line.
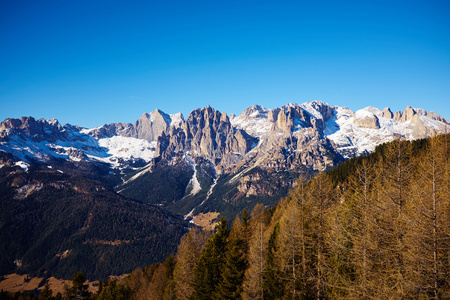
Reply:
x=211, y=161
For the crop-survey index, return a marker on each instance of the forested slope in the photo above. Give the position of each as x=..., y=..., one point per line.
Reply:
x=376, y=227
x=55, y=224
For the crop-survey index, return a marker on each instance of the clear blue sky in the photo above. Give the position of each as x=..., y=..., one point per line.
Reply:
x=95, y=62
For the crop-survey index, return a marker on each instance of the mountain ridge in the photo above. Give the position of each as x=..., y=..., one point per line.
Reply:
x=247, y=149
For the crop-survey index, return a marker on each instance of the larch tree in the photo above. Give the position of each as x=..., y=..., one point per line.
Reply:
x=353, y=235
x=431, y=221
x=295, y=243
x=254, y=275
x=320, y=195
x=188, y=253
x=393, y=175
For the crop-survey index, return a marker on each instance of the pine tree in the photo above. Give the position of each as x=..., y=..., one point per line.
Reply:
x=273, y=285
x=47, y=293
x=230, y=286
x=79, y=289
x=114, y=291
x=207, y=273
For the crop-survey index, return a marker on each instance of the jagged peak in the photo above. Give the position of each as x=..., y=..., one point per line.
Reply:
x=254, y=111
x=386, y=113
x=206, y=112
x=28, y=121
x=318, y=109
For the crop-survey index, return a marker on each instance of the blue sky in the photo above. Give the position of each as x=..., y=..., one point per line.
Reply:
x=94, y=62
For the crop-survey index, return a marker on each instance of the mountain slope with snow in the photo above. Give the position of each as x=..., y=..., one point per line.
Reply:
x=246, y=152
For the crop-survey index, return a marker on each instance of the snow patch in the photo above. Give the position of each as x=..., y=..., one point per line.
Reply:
x=254, y=120
x=134, y=177
x=176, y=119
x=196, y=188
x=126, y=148
x=23, y=165
x=309, y=107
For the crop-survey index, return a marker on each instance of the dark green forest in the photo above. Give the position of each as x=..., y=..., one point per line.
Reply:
x=54, y=224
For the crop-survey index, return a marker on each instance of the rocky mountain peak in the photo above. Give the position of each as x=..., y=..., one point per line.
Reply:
x=36, y=129
x=255, y=111
x=387, y=113
x=151, y=125
x=434, y=116
x=319, y=109
x=410, y=112
x=206, y=132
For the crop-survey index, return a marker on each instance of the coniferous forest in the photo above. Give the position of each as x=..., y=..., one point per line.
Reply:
x=376, y=227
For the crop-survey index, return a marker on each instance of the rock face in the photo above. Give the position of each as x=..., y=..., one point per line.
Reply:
x=208, y=133
x=256, y=155
x=149, y=126
x=387, y=113
x=434, y=116
x=366, y=119
x=38, y=130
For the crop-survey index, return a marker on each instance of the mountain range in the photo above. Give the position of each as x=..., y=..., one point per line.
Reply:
x=212, y=161
x=70, y=193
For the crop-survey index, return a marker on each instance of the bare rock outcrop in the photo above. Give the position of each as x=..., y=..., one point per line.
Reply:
x=434, y=116
x=408, y=114
x=149, y=127
x=366, y=119
x=206, y=132
x=387, y=113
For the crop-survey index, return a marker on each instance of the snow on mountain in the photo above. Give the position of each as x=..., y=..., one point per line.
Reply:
x=312, y=108
x=254, y=120
x=359, y=133
x=23, y=165
x=44, y=140
x=176, y=119
x=121, y=148
x=293, y=127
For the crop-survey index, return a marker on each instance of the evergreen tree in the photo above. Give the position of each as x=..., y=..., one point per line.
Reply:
x=47, y=293
x=114, y=291
x=273, y=285
x=207, y=274
x=79, y=289
x=230, y=286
